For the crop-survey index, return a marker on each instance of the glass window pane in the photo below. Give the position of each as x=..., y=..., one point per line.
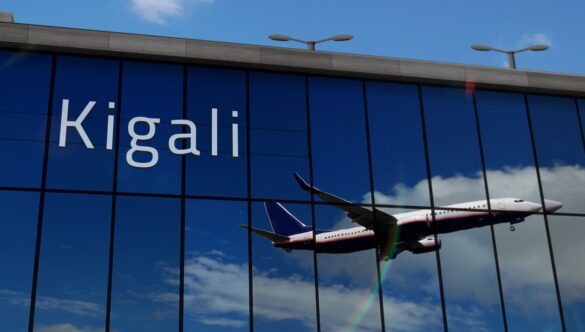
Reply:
x=347, y=282
x=396, y=139
x=154, y=91
x=278, y=134
x=348, y=291
x=145, y=289
x=560, y=152
x=506, y=145
x=467, y=257
x=216, y=266
x=569, y=250
x=469, y=277
x=340, y=166
x=78, y=82
x=17, y=251
x=24, y=98
x=284, y=282
x=338, y=137
x=400, y=177
x=525, y=267
x=410, y=283
x=73, y=271
x=527, y=279
x=453, y=146
x=225, y=173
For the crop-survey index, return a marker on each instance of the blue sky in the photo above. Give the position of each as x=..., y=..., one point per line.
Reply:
x=216, y=255
x=428, y=30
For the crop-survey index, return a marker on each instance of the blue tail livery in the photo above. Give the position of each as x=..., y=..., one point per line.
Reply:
x=282, y=221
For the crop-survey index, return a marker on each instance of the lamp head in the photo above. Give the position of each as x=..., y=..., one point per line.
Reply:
x=537, y=48
x=278, y=37
x=342, y=37
x=482, y=48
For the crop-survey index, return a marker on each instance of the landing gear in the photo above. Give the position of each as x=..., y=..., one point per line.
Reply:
x=512, y=228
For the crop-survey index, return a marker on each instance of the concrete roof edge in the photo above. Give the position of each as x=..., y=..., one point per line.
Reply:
x=117, y=44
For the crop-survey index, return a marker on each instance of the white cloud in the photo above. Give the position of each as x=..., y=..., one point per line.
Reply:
x=159, y=11
x=562, y=183
x=224, y=322
x=65, y=328
x=467, y=256
x=77, y=307
x=533, y=39
x=216, y=293
x=217, y=288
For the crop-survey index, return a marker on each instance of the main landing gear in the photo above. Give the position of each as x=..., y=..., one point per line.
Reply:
x=512, y=228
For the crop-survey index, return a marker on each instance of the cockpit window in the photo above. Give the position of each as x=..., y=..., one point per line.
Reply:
x=518, y=200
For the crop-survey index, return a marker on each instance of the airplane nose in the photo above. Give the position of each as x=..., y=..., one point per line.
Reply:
x=552, y=206
x=533, y=207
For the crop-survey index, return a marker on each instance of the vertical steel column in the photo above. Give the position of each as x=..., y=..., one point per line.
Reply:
x=114, y=197
x=370, y=170
x=489, y=206
x=580, y=120
x=312, y=200
x=249, y=201
x=429, y=177
x=33, y=293
x=545, y=214
x=183, y=207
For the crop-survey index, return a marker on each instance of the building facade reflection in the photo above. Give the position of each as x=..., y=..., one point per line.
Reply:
x=108, y=246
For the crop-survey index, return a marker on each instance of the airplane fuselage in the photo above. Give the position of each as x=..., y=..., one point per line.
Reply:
x=416, y=225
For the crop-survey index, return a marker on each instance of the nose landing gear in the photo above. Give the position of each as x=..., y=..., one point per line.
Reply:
x=512, y=228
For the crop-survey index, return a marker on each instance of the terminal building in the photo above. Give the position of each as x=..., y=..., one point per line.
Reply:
x=130, y=162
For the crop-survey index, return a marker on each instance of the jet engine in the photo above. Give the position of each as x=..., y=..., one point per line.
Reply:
x=427, y=244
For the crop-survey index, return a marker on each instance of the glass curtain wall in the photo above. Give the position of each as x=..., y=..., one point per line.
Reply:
x=467, y=258
x=524, y=259
x=162, y=196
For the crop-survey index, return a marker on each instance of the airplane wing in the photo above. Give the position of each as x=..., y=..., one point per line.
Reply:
x=276, y=238
x=368, y=218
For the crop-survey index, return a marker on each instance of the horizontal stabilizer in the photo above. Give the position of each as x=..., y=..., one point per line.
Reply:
x=267, y=235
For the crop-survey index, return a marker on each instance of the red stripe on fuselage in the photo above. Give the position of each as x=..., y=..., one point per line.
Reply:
x=345, y=237
x=449, y=217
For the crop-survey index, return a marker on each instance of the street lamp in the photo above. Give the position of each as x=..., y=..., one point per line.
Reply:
x=510, y=54
x=6, y=17
x=311, y=43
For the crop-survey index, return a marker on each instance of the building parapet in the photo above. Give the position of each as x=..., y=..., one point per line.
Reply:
x=114, y=44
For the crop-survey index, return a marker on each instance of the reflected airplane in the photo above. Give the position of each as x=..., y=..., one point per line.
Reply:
x=392, y=234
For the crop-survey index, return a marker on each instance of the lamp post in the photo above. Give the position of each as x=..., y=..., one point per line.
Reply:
x=511, y=54
x=311, y=43
x=6, y=17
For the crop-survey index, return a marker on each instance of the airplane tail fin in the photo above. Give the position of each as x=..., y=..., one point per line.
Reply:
x=282, y=221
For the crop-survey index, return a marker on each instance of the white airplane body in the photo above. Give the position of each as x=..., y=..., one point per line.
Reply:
x=413, y=231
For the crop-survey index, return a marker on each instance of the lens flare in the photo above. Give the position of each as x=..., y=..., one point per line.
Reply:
x=470, y=87
x=362, y=308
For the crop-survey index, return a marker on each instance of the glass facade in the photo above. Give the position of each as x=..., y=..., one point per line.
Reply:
x=134, y=195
